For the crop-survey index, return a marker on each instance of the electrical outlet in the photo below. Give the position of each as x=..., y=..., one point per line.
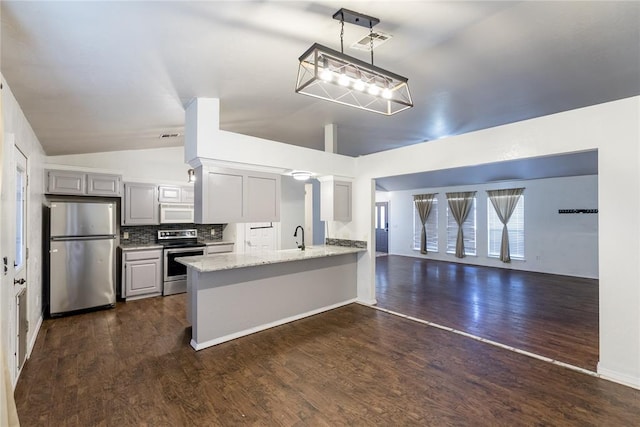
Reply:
x=125, y=235
x=213, y=232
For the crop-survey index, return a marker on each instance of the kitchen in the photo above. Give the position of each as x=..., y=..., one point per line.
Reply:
x=610, y=128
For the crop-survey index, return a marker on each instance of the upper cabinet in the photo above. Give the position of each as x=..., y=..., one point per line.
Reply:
x=82, y=183
x=103, y=185
x=229, y=195
x=335, y=200
x=175, y=194
x=140, y=204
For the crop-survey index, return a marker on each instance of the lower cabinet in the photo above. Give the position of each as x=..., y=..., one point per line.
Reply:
x=142, y=273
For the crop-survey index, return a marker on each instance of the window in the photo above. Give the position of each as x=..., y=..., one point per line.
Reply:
x=468, y=229
x=515, y=227
x=432, y=228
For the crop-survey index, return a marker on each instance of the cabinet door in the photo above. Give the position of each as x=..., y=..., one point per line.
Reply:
x=342, y=201
x=263, y=198
x=169, y=194
x=65, y=182
x=187, y=195
x=224, y=197
x=143, y=277
x=103, y=185
x=140, y=204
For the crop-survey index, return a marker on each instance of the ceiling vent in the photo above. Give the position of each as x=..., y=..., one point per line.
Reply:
x=365, y=42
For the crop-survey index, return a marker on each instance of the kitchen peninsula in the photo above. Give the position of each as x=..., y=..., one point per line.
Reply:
x=233, y=295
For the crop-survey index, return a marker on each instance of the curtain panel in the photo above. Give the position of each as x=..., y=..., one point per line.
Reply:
x=504, y=202
x=423, y=204
x=459, y=206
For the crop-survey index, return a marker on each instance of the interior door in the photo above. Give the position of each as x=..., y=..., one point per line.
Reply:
x=20, y=327
x=382, y=227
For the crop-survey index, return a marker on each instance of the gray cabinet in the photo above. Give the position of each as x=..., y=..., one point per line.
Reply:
x=336, y=200
x=142, y=273
x=99, y=184
x=140, y=204
x=82, y=183
x=175, y=194
x=65, y=182
x=227, y=195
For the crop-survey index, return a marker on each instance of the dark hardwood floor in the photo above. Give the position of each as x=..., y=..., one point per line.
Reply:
x=553, y=316
x=355, y=365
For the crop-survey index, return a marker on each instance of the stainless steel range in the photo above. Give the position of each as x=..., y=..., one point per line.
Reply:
x=178, y=243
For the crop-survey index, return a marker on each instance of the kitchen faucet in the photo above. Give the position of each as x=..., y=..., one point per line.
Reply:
x=295, y=234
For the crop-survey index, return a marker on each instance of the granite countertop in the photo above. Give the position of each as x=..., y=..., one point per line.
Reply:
x=139, y=246
x=228, y=261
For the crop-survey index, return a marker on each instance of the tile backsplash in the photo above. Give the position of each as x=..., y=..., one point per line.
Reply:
x=143, y=234
x=348, y=243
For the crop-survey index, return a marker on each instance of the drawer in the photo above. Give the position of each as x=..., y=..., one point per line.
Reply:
x=138, y=255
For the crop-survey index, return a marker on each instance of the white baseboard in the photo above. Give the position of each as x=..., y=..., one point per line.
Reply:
x=34, y=337
x=617, y=377
x=220, y=340
x=367, y=301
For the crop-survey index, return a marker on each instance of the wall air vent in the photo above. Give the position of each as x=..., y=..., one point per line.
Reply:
x=170, y=135
x=365, y=42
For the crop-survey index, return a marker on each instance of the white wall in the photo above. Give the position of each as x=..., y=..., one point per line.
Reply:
x=18, y=130
x=159, y=166
x=612, y=129
x=291, y=212
x=554, y=243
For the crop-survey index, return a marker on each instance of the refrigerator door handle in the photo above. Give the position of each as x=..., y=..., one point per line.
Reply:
x=96, y=237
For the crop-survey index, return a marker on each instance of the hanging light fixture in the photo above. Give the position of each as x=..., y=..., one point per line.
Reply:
x=328, y=74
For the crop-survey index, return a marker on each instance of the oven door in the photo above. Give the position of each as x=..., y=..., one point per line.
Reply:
x=173, y=270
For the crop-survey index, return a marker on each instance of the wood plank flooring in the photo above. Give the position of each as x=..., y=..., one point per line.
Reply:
x=355, y=365
x=550, y=315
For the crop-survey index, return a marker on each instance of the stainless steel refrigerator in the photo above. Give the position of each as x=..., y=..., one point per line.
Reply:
x=82, y=254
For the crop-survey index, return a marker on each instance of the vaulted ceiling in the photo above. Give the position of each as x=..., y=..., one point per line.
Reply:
x=106, y=75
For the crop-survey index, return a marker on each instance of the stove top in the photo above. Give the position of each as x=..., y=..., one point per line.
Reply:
x=182, y=244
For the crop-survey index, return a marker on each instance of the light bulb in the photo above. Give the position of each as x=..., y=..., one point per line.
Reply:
x=358, y=85
x=373, y=90
x=326, y=75
x=343, y=80
x=386, y=94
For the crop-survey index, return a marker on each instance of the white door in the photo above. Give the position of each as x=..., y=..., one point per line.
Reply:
x=19, y=327
x=260, y=236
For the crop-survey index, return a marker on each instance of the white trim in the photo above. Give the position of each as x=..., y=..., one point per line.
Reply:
x=617, y=377
x=210, y=343
x=367, y=302
x=32, y=343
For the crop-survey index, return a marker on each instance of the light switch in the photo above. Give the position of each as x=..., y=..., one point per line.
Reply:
x=125, y=235
x=213, y=232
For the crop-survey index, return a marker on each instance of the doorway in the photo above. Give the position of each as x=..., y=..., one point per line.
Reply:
x=382, y=227
x=19, y=324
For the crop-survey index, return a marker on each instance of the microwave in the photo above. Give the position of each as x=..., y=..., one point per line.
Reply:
x=176, y=213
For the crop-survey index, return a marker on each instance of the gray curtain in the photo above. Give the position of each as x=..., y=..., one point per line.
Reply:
x=423, y=204
x=460, y=205
x=504, y=202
